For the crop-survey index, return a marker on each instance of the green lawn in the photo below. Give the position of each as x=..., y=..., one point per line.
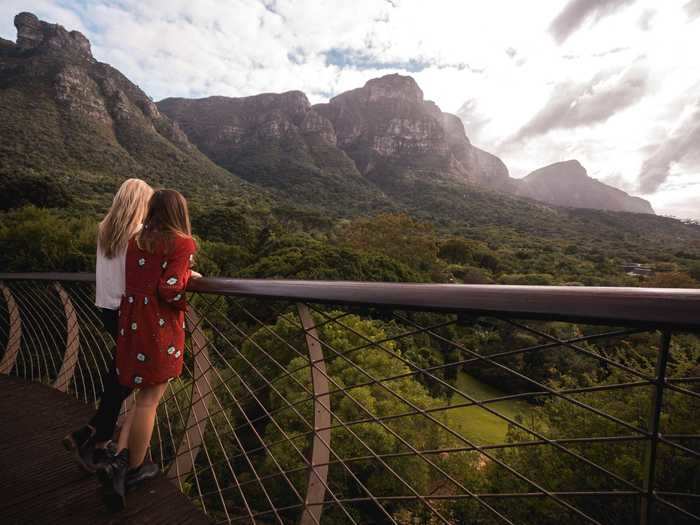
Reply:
x=477, y=423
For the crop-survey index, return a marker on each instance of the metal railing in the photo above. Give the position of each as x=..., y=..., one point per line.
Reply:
x=343, y=402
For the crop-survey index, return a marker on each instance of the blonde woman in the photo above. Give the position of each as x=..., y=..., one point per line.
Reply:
x=123, y=220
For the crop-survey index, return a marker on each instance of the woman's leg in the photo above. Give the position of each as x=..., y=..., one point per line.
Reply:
x=114, y=393
x=88, y=442
x=138, y=435
x=105, y=419
x=123, y=441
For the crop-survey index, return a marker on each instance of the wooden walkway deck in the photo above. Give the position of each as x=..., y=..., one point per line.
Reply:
x=39, y=483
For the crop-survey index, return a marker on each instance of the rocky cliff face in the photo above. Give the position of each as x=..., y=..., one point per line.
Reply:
x=568, y=184
x=276, y=140
x=387, y=126
x=223, y=127
x=77, y=117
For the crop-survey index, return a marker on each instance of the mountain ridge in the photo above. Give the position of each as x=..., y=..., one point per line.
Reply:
x=389, y=131
x=379, y=147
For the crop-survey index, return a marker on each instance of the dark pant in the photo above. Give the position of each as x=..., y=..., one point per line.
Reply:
x=105, y=419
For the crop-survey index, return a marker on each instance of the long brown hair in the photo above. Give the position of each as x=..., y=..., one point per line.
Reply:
x=124, y=217
x=167, y=217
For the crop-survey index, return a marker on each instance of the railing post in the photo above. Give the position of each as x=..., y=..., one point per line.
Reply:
x=70, y=357
x=647, y=504
x=14, y=338
x=196, y=421
x=320, y=453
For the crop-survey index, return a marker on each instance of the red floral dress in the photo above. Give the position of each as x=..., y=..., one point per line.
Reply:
x=151, y=341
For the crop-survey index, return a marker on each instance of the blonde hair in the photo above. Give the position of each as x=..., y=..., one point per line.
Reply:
x=124, y=217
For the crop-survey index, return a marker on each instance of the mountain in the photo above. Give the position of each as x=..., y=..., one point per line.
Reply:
x=70, y=124
x=277, y=141
x=367, y=149
x=568, y=184
x=395, y=136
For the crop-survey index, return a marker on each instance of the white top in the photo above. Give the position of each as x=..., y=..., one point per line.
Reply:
x=109, y=279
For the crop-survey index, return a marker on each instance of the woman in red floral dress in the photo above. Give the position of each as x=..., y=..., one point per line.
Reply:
x=151, y=340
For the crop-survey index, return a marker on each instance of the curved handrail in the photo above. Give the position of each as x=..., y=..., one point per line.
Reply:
x=663, y=307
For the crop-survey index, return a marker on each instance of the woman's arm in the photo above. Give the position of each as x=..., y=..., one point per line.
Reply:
x=175, y=274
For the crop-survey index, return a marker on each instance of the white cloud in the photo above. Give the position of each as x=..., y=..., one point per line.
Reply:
x=497, y=55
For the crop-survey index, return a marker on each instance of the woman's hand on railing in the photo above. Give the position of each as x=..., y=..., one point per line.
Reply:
x=195, y=275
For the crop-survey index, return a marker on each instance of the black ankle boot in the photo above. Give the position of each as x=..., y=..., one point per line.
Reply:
x=140, y=474
x=81, y=444
x=102, y=456
x=112, y=476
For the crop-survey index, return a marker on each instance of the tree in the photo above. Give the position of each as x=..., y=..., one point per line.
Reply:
x=395, y=235
x=36, y=239
x=314, y=260
x=351, y=363
x=671, y=280
x=561, y=419
x=694, y=271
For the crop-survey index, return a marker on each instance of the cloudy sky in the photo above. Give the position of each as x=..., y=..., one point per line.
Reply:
x=612, y=83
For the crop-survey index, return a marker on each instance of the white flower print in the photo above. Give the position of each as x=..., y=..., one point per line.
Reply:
x=121, y=331
x=177, y=297
x=171, y=350
x=131, y=299
x=134, y=326
x=142, y=261
x=171, y=281
x=164, y=265
x=138, y=380
x=145, y=300
x=177, y=354
x=161, y=322
x=141, y=357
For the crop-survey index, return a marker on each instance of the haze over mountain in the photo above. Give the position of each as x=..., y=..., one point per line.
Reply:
x=568, y=184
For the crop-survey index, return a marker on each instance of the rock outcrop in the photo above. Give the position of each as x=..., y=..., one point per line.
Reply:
x=387, y=125
x=33, y=33
x=568, y=184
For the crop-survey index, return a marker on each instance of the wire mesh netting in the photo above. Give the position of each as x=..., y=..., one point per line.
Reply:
x=297, y=412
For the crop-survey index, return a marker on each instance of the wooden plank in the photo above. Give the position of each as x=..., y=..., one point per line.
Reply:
x=320, y=453
x=39, y=483
x=70, y=356
x=14, y=340
x=198, y=419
